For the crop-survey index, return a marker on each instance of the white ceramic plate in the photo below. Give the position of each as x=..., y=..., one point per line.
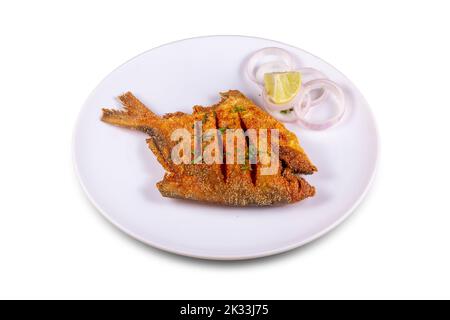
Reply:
x=118, y=171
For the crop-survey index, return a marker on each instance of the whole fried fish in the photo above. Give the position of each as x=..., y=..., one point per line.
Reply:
x=236, y=184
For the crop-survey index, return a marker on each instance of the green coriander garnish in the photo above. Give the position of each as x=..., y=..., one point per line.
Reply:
x=287, y=111
x=238, y=109
x=198, y=159
x=223, y=129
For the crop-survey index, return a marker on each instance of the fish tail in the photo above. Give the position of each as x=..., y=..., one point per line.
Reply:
x=135, y=114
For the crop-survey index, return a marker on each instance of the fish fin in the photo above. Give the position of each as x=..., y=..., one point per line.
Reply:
x=134, y=116
x=135, y=107
x=162, y=159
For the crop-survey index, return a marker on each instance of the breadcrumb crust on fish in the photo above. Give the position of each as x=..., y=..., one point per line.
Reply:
x=225, y=184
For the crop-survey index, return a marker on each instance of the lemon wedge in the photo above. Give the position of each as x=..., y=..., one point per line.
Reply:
x=282, y=87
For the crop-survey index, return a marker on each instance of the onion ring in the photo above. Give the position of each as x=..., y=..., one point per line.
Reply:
x=316, y=74
x=289, y=114
x=297, y=109
x=301, y=109
x=282, y=56
x=313, y=72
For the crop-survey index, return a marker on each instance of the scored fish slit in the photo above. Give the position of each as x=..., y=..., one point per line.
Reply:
x=253, y=167
x=223, y=165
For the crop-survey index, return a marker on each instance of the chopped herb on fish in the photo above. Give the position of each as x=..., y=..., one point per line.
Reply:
x=238, y=109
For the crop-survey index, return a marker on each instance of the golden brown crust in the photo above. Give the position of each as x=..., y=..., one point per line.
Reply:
x=226, y=184
x=255, y=118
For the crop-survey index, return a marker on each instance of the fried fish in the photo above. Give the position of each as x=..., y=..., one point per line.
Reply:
x=235, y=184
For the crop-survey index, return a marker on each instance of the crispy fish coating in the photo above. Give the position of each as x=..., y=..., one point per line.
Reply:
x=226, y=184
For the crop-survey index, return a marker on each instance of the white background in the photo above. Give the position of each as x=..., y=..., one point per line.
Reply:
x=54, y=244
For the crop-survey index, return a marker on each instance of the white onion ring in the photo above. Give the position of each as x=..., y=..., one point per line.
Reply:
x=313, y=72
x=256, y=68
x=275, y=110
x=282, y=56
x=301, y=109
x=316, y=74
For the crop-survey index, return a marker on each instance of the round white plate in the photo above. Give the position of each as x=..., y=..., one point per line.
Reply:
x=119, y=172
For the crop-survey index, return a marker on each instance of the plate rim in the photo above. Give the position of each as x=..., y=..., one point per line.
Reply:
x=264, y=253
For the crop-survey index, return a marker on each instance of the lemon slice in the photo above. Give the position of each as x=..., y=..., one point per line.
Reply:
x=282, y=87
